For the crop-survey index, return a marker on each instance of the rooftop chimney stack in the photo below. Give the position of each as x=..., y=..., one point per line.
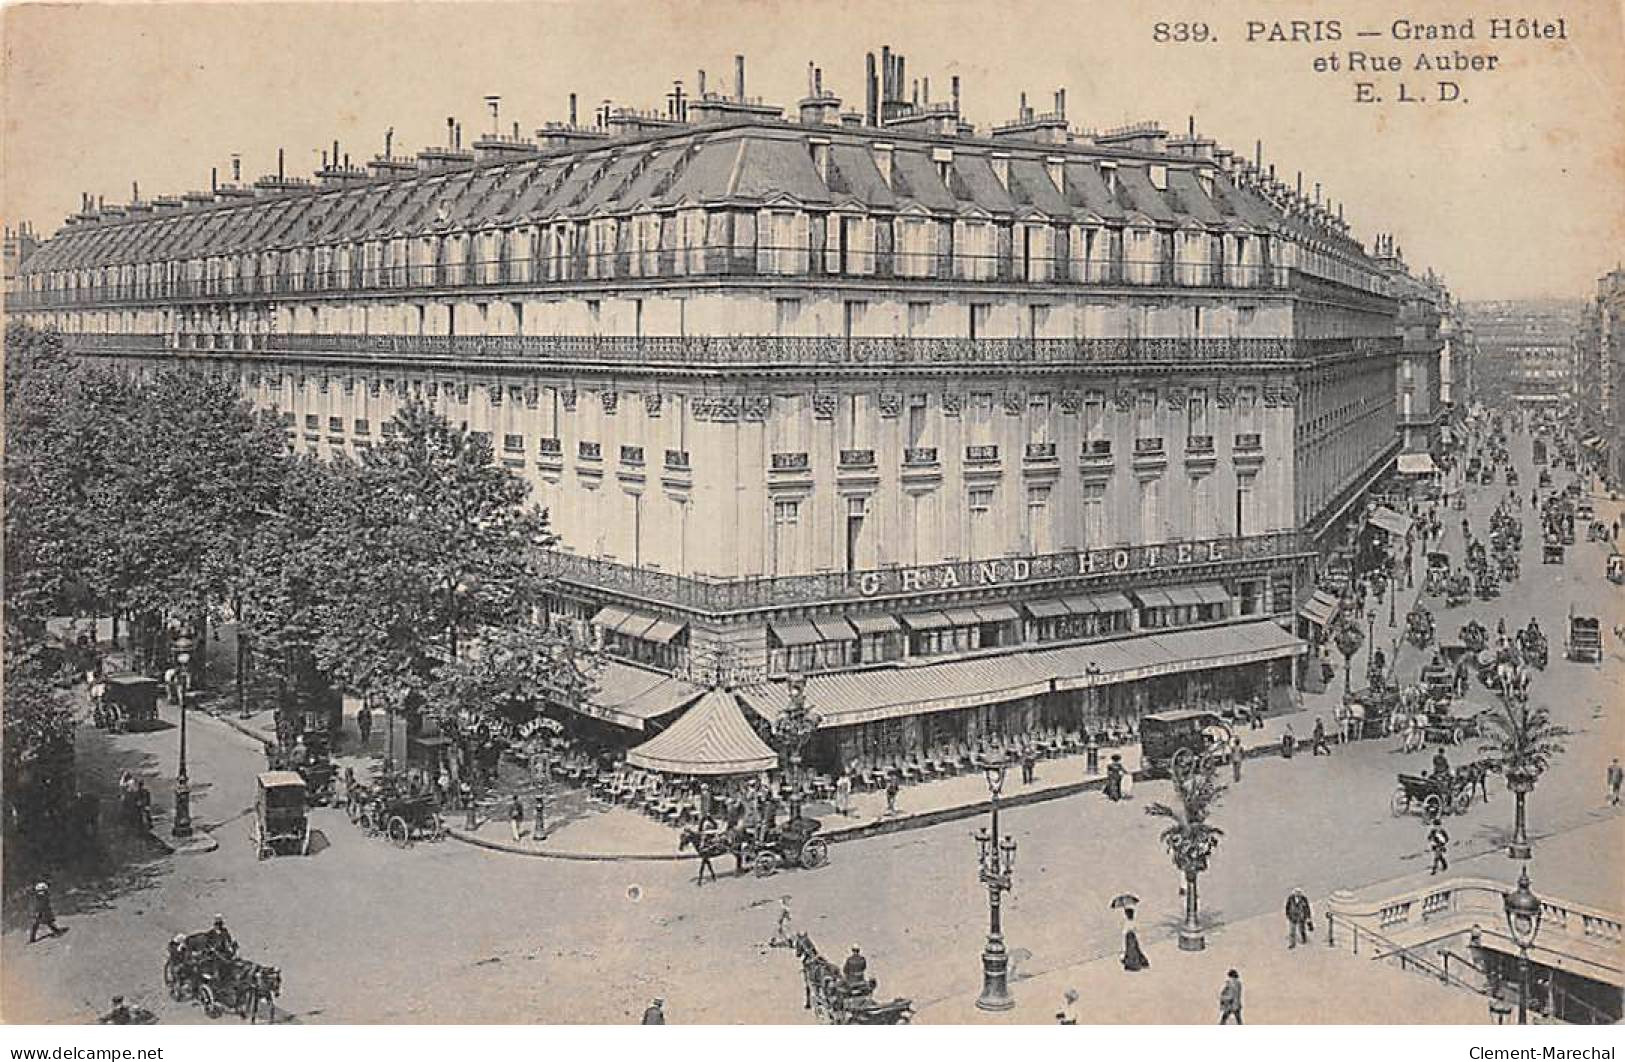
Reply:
x=135, y=192
x=214, y=179
x=335, y=152
x=916, y=92
x=573, y=107
x=279, y=173
x=451, y=128
x=495, y=103
x=818, y=81
x=236, y=168
x=739, y=78
x=954, y=89
x=1060, y=102
x=870, y=102
x=389, y=140
x=702, y=84
x=457, y=139
x=887, y=70
x=925, y=91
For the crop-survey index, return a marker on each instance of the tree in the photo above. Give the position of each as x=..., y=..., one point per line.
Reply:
x=1348, y=639
x=433, y=544
x=1190, y=838
x=1523, y=740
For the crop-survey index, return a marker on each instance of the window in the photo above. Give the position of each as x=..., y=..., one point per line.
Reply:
x=980, y=313
x=1201, y=523
x=916, y=421
x=788, y=312
x=1245, y=516
x=786, y=513
x=1196, y=412
x=362, y=427
x=1145, y=414
x=1038, y=521
x=313, y=422
x=335, y=425
x=1151, y=511
x=513, y=443
x=1094, y=514
x=980, y=509
x=856, y=510
x=855, y=310
x=1094, y=415
x=919, y=314
x=1250, y=597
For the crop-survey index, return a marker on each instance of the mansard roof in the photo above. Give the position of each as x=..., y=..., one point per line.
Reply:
x=744, y=164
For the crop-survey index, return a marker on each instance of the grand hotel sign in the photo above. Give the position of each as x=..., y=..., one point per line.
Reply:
x=1125, y=560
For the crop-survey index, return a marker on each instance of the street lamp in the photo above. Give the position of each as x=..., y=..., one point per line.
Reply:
x=1523, y=910
x=996, y=859
x=182, y=824
x=791, y=731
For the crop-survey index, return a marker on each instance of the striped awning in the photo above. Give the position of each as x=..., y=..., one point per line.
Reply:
x=1183, y=595
x=834, y=629
x=1320, y=608
x=875, y=624
x=962, y=617
x=1046, y=609
x=850, y=698
x=711, y=738
x=795, y=632
x=1081, y=605
x=628, y=696
x=1211, y=594
x=663, y=631
x=636, y=624
x=609, y=617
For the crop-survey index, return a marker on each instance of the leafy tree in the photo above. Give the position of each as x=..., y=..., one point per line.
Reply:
x=436, y=546
x=1523, y=740
x=1190, y=838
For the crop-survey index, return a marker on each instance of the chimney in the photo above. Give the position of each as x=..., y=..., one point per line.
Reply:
x=135, y=192
x=451, y=130
x=887, y=70
x=925, y=91
x=871, y=103
x=739, y=78
x=702, y=84
x=1021, y=111
x=573, y=99
x=1060, y=102
x=818, y=81
x=335, y=153
x=279, y=174
x=457, y=138
x=214, y=179
x=916, y=92
x=899, y=81
x=954, y=88
x=389, y=140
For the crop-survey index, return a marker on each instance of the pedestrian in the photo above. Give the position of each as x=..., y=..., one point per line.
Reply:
x=1319, y=746
x=1438, y=841
x=891, y=794
x=363, y=723
x=43, y=913
x=443, y=789
x=1299, y=918
x=843, y=794
x=1134, y=959
x=1236, y=756
x=536, y=821
x=1114, y=778
x=143, y=805
x=1230, y=998
x=655, y=1012
x=516, y=818
x=1616, y=775
x=1288, y=743
x=706, y=818
x=1067, y=1015
x=1029, y=765
x=1128, y=784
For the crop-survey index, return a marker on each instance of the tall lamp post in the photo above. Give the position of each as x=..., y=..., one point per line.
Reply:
x=182, y=824
x=1523, y=912
x=791, y=732
x=996, y=858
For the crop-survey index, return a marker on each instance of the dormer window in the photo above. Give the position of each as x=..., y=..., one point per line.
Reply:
x=882, y=154
x=943, y=159
x=1159, y=177
x=1108, y=173
x=1001, y=169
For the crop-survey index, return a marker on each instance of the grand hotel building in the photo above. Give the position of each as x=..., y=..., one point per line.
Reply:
x=977, y=431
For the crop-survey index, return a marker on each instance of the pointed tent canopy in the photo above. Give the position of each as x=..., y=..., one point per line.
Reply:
x=712, y=737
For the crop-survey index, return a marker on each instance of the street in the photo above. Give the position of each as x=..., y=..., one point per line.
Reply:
x=449, y=933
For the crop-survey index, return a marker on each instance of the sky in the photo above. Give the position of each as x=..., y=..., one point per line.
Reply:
x=1517, y=192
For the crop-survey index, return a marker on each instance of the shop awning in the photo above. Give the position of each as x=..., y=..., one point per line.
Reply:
x=1046, y=609
x=834, y=629
x=997, y=613
x=636, y=624
x=899, y=690
x=1211, y=594
x=1183, y=595
x=609, y=617
x=711, y=738
x=1081, y=605
x=795, y=632
x=1152, y=597
x=1417, y=465
x=878, y=624
x=1111, y=603
x=627, y=695
x=663, y=631
x=1320, y=608
x=1390, y=521
x=927, y=621
x=962, y=617
x=1594, y=442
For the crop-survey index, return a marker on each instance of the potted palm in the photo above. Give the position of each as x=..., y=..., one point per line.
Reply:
x=1522, y=739
x=1191, y=839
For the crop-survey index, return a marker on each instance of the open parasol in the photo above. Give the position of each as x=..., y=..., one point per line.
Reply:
x=1125, y=900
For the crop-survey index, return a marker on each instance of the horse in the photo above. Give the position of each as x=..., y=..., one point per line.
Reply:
x=817, y=973
x=1477, y=775
x=264, y=983
x=708, y=845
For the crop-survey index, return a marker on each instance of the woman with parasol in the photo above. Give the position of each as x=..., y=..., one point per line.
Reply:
x=1134, y=958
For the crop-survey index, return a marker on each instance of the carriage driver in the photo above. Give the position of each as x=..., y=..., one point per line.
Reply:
x=1441, y=775
x=855, y=972
x=219, y=939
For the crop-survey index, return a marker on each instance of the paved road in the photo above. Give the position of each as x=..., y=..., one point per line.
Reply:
x=447, y=933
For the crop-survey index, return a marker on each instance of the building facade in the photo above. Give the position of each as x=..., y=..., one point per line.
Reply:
x=1526, y=352
x=979, y=433
x=1600, y=371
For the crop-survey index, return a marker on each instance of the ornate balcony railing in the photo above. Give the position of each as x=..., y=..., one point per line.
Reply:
x=919, y=456
x=631, y=455
x=1040, y=451
x=748, y=351
x=1087, y=567
x=790, y=462
x=677, y=460
x=857, y=458
x=1097, y=450
x=1249, y=440
x=1199, y=444
x=1148, y=446
x=981, y=455
x=550, y=447
x=589, y=451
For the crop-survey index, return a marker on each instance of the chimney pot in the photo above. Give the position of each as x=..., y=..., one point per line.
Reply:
x=739, y=78
x=702, y=84
x=818, y=81
x=954, y=88
x=214, y=179
x=925, y=91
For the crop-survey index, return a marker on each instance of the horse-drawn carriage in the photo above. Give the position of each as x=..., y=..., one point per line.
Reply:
x=1439, y=678
x=1174, y=742
x=790, y=845
x=1585, y=640
x=1459, y=590
x=1486, y=585
x=129, y=702
x=1443, y=726
x=1432, y=795
x=1419, y=626
x=1370, y=708
x=841, y=1000
x=1438, y=573
x=199, y=968
x=281, y=820
x=1532, y=647
x=1551, y=551
x=401, y=815
x=1473, y=637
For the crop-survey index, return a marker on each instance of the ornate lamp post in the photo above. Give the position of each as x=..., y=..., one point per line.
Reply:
x=791, y=732
x=182, y=824
x=1393, y=589
x=996, y=859
x=1523, y=910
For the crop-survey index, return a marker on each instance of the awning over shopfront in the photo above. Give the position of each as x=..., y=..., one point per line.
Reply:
x=1081, y=605
x=1184, y=595
x=636, y=625
x=609, y=617
x=1417, y=465
x=628, y=696
x=1594, y=442
x=1211, y=594
x=1151, y=597
x=962, y=617
x=1047, y=609
x=917, y=689
x=835, y=629
x=997, y=613
x=796, y=632
x=927, y=621
x=711, y=738
x=877, y=624
x=1111, y=603
x=1390, y=521
x=664, y=631
x=1320, y=609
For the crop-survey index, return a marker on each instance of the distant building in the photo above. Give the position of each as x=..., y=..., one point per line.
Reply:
x=1600, y=374
x=1526, y=351
x=981, y=433
x=20, y=243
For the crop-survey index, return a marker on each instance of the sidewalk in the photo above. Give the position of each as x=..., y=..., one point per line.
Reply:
x=1310, y=985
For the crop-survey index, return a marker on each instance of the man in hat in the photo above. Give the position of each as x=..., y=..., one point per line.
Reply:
x=855, y=971
x=1230, y=998
x=655, y=1012
x=119, y=1015
x=1438, y=842
x=1298, y=918
x=219, y=939
x=43, y=913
